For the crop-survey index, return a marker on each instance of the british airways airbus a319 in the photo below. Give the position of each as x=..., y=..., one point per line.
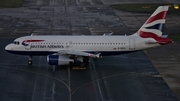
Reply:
x=62, y=50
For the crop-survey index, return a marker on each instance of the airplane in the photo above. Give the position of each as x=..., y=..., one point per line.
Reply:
x=63, y=50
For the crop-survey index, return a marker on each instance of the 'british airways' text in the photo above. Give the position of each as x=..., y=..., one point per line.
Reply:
x=47, y=46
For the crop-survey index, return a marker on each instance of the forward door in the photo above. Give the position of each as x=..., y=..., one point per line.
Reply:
x=28, y=44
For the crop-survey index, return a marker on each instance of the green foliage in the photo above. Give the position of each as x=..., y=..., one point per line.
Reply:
x=144, y=8
x=10, y=3
x=175, y=37
x=149, y=8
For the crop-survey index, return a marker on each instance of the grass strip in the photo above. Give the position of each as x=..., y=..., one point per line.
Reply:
x=144, y=8
x=149, y=8
x=175, y=37
x=10, y=3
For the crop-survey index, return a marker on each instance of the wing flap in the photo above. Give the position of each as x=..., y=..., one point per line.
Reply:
x=78, y=53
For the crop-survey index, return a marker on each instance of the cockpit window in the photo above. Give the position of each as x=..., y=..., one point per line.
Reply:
x=16, y=42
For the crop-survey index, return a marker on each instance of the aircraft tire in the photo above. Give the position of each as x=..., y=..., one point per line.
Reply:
x=30, y=62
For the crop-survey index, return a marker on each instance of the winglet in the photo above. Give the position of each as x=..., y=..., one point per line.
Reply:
x=98, y=55
x=108, y=34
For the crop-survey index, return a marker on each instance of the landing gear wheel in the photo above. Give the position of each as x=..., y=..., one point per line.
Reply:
x=30, y=62
x=86, y=61
x=82, y=64
x=54, y=69
x=71, y=63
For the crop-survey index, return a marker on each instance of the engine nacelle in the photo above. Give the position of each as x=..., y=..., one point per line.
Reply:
x=58, y=60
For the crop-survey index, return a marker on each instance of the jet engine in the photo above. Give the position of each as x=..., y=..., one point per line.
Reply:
x=58, y=60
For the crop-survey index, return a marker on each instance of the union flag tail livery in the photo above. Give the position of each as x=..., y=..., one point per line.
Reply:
x=67, y=49
x=155, y=23
x=152, y=28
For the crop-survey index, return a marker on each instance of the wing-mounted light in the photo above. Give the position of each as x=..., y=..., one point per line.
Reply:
x=94, y=55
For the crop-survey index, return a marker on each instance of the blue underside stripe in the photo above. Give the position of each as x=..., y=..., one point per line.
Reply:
x=45, y=53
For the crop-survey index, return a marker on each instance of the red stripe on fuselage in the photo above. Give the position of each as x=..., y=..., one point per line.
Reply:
x=161, y=15
x=33, y=40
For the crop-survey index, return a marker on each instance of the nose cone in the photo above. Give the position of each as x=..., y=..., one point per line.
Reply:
x=7, y=48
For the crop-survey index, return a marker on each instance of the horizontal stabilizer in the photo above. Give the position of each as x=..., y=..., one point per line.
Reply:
x=77, y=53
x=164, y=36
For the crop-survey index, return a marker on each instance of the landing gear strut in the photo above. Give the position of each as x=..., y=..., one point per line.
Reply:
x=30, y=60
x=81, y=63
x=84, y=62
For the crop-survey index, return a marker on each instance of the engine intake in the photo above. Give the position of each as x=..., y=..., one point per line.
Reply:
x=58, y=60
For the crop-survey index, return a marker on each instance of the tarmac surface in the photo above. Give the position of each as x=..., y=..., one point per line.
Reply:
x=166, y=59
x=128, y=77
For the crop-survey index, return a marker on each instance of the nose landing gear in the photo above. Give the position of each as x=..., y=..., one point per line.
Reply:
x=30, y=60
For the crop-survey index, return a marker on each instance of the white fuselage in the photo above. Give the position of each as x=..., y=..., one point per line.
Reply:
x=106, y=45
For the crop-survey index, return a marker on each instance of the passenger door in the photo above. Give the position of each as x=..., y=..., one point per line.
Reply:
x=27, y=44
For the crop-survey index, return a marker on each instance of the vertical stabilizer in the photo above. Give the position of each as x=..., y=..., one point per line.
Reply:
x=154, y=25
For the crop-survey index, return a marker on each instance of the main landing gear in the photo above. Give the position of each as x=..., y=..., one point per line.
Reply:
x=85, y=62
x=81, y=64
x=30, y=60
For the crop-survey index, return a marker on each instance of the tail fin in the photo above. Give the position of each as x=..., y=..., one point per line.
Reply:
x=154, y=25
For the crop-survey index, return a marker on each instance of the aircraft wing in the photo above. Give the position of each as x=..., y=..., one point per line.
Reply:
x=78, y=53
